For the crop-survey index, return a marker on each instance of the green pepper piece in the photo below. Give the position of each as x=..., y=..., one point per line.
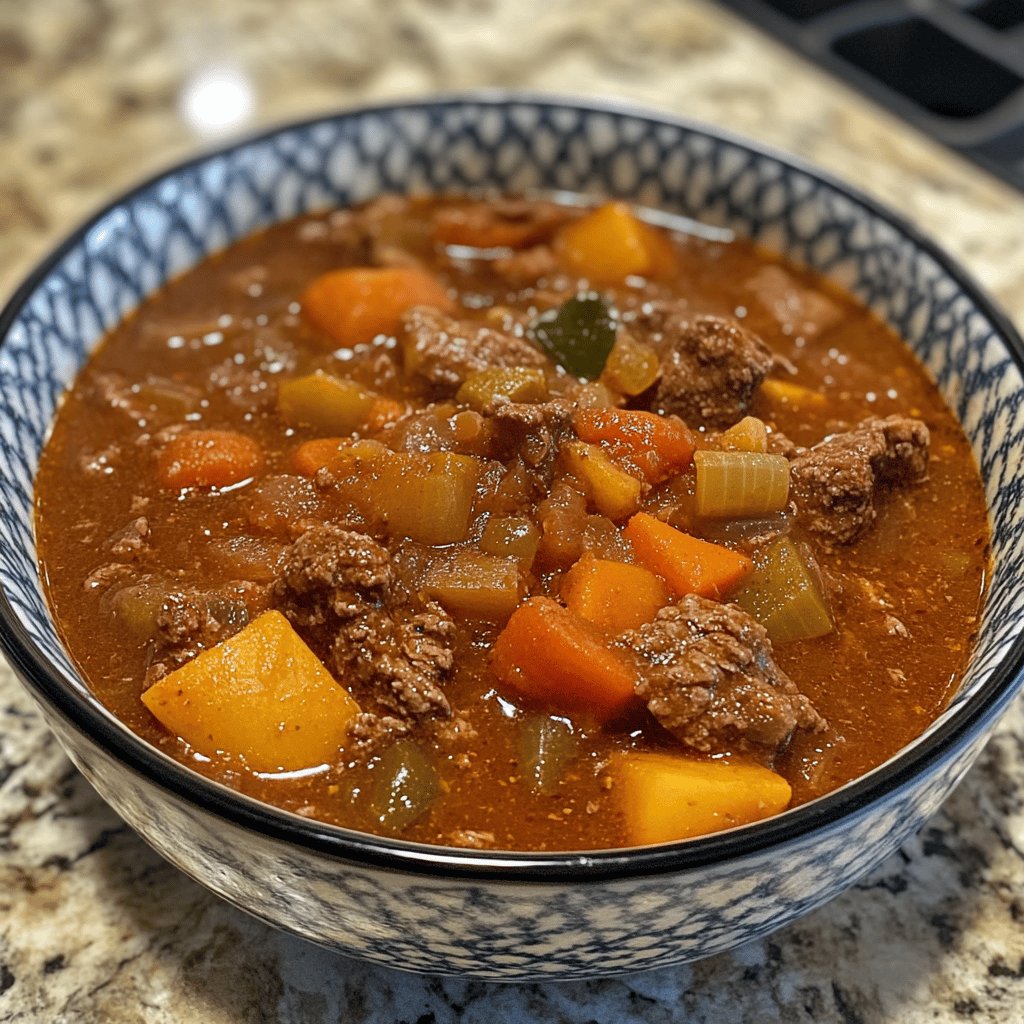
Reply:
x=405, y=786
x=578, y=336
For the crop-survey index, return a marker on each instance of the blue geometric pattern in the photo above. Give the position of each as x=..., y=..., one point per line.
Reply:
x=494, y=928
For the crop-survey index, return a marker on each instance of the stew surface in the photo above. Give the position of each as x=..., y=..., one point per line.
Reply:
x=515, y=525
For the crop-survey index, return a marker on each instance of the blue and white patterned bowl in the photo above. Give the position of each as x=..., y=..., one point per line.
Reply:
x=484, y=914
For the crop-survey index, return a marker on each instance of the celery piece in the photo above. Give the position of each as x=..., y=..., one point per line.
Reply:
x=405, y=786
x=546, y=746
x=783, y=595
x=740, y=484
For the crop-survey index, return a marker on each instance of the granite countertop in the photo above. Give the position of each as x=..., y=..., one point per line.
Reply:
x=96, y=94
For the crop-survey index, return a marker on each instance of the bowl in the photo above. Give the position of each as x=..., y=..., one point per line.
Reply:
x=509, y=916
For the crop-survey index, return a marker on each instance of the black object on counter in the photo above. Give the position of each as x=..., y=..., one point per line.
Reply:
x=953, y=68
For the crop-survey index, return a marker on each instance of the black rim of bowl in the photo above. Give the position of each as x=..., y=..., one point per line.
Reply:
x=46, y=684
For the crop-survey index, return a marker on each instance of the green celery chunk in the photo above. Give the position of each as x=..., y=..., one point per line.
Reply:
x=783, y=595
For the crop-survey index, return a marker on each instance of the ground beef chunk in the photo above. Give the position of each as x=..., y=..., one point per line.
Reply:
x=331, y=573
x=190, y=621
x=534, y=431
x=128, y=543
x=528, y=266
x=338, y=587
x=710, y=368
x=797, y=309
x=708, y=676
x=445, y=351
x=834, y=483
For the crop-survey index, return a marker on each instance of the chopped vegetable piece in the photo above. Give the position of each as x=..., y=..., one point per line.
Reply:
x=546, y=747
x=613, y=596
x=578, y=336
x=208, y=458
x=749, y=435
x=614, y=492
x=660, y=446
x=632, y=366
x=665, y=798
x=261, y=696
x=739, y=485
x=475, y=585
x=385, y=411
x=784, y=596
x=689, y=565
x=792, y=394
x=340, y=455
x=551, y=656
x=427, y=496
x=353, y=306
x=514, y=383
x=405, y=786
x=479, y=227
x=516, y=536
x=611, y=244
x=324, y=403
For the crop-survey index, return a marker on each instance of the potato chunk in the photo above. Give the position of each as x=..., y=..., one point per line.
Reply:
x=261, y=696
x=664, y=797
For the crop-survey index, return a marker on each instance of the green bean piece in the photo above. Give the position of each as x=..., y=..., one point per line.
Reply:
x=405, y=786
x=546, y=746
x=579, y=336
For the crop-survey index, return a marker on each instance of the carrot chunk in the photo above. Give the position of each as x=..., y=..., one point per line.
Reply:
x=613, y=596
x=208, y=458
x=354, y=305
x=611, y=244
x=552, y=657
x=660, y=446
x=340, y=455
x=689, y=565
x=261, y=695
x=665, y=798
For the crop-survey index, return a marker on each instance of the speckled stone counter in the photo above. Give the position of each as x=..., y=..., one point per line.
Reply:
x=95, y=94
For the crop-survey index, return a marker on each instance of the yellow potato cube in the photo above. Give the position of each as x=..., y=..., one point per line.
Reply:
x=261, y=696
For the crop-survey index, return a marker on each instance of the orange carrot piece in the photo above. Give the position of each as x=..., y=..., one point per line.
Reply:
x=659, y=446
x=554, y=658
x=613, y=596
x=612, y=243
x=384, y=411
x=320, y=453
x=354, y=305
x=208, y=458
x=689, y=565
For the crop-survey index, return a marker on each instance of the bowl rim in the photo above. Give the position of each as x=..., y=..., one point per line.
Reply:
x=43, y=680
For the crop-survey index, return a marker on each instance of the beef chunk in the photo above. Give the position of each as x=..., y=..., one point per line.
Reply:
x=332, y=573
x=129, y=542
x=402, y=655
x=528, y=266
x=338, y=586
x=533, y=430
x=708, y=676
x=189, y=621
x=445, y=351
x=709, y=370
x=798, y=310
x=834, y=483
